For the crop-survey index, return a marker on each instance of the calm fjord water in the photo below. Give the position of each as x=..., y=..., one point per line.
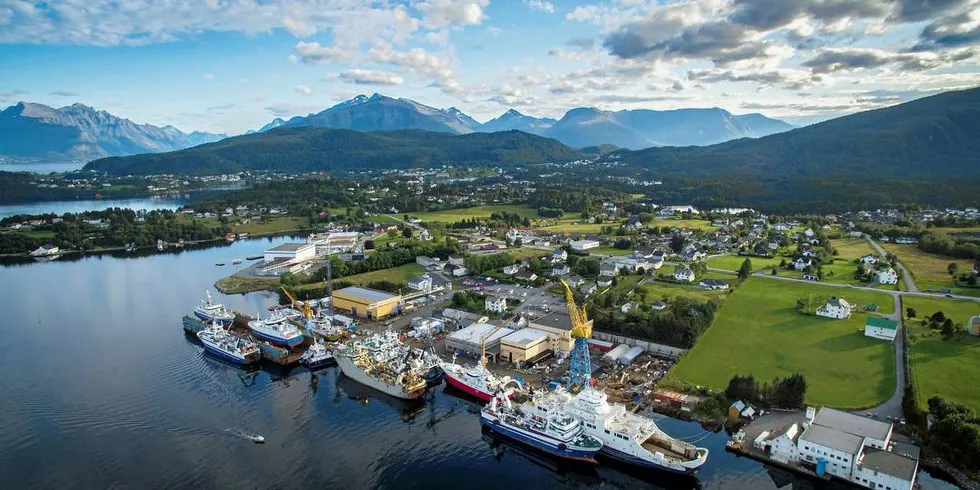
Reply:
x=102, y=389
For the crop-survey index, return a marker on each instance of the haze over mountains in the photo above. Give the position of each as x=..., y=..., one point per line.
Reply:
x=36, y=132
x=579, y=127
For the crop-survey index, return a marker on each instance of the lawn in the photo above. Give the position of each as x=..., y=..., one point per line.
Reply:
x=685, y=223
x=395, y=274
x=734, y=262
x=659, y=290
x=576, y=227
x=273, y=225
x=452, y=215
x=610, y=251
x=758, y=332
x=930, y=269
x=950, y=369
x=36, y=233
x=852, y=248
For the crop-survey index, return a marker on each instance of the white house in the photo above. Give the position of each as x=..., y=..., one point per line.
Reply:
x=808, y=232
x=684, y=274
x=459, y=271
x=559, y=254
x=510, y=270
x=714, y=284
x=44, y=250
x=583, y=245
x=658, y=306
x=880, y=328
x=886, y=276
x=835, y=308
x=801, y=263
x=526, y=276
x=588, y=288
x=561, y=270
x=604, y=281
x=869, y=259
x=782, y=444
x=627, y=307
x=495, y=304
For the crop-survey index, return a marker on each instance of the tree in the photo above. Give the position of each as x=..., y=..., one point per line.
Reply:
x=677, y=243
x=949, y=330
x=910, y=312
x=392, y=234
x=518, y=242
x=952, y=268
x=745, y=269
x=773, y=271
x=407, y=232
x=368, y=244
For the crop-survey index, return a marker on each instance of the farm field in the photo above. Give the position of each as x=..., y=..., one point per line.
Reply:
x=852, y=248
x=658, y=291
x=684, y=223
x=951, y=368
x=758, y=332
x=610, y=251
x=273, y=225
x=576, y=227
x=401, y=273
x=734, y=262
x=929, y=270
x=451, y=215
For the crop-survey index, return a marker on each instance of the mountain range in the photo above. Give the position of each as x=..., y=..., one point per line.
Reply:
x=39, y=133
x=581, y=127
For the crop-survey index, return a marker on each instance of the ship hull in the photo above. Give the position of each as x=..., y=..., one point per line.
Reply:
x=631, y=460
x=319, y=363
x=357, y=374
x=465, y=388
x=293, y=342
x=224, y=322
x=232, y=357
x=548, y=446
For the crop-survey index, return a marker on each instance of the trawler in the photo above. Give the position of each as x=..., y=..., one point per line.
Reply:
x=385, y=364
x=555, y=433
x=317, y=356
x=478, y=381
x=627, y=437
x=225, y=345
x=210, y=311
x=277, y=330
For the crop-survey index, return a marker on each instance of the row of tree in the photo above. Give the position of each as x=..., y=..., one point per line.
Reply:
x=680, y=325
x=788, y=392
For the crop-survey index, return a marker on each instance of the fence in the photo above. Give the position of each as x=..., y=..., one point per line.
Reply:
x=650, y=347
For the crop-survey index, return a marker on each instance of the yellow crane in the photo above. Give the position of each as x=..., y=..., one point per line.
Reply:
x=483, y=342
x=581, y=325
x=299, y=305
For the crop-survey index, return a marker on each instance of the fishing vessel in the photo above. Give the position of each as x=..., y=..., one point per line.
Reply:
x=477, y=381
x=236, y=260
x=211, y=311
x=385, y=364
x=277, y=330
x=555, y=433
x=318, y=356
x=627, y=437
x=324, y=325
x=227, y=346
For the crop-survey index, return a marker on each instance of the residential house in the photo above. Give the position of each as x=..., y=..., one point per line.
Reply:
x=510, y=270
x=574, y=280
x=835, y=308
x=604, y=281
x=627, y=307
x=869, y=259
x=643, y=252
x=456, y=260
x=801, y=263
x=424, y=235
x=561, y=270
x=693, y=255
x=880, y=328
x=559, y=255
x=527, y=276
x=684, y=274
x=421, y=283
x=713, y=284
x=886, y=276
x=588, y=288
x=458, y=271
x=633, y=222
x=496, y=304
x=658, y=256
x=808, y=232
x=658, y=306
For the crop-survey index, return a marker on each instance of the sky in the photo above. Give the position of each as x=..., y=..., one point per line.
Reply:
x=233, y=65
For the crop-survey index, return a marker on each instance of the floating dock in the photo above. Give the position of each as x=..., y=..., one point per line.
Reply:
x=271, y=353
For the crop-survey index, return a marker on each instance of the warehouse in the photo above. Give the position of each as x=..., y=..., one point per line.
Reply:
x=365, y=302
x=559, y=329
x=468, y=340
x=525, y=346
x=296, y=252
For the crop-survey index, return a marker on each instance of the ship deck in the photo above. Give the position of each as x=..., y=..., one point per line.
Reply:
x=656, y=448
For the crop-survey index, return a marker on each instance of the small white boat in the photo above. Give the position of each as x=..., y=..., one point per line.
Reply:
x=236, y=260
x=257, y=439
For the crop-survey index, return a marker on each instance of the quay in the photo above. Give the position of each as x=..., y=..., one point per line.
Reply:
x=743, y=442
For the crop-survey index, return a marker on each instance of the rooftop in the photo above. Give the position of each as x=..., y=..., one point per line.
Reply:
x=371, y=295
x=554, y=320
x=852, y=423
x=288, y=247
x=889, y=463
x=874, y=321
x=832, y=438
x=474, y=334
x=525, y=336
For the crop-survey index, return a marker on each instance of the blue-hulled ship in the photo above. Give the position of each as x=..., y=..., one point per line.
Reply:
x=222, y=343
x=213, y=312
x=559, y=435
x=276, y=329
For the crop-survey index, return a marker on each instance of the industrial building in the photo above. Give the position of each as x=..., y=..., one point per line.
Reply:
x=525, y=346
x=468, y=341
x=365, y=302
x=559, y=329
x=290, y=251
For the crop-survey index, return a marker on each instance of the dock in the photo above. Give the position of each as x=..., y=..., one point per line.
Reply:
x=769, y=423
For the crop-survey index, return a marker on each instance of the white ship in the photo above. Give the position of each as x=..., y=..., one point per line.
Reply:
x=210, y=311
x=277, y=330
x=225, y=345
x=385, y=364
x=477, y=381
x=626, y=436
x=318, y=356
x=555, y=433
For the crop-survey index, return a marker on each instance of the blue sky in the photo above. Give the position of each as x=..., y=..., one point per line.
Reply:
x=233, y=65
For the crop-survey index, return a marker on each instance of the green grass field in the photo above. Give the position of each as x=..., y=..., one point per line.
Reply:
x=576, y=227
x=852, y=248
x=758, y=332
x=693, y=224
x=395, y=274
x=734, y=262
x=452, y=215
x=34, y=233
x=610, y=251
x=930, y=269
x=659, y=290
x=951, y=368
x=273, y=225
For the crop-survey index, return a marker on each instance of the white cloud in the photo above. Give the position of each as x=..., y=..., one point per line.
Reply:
x=287, y=110
x=303, y=89
x=540, y=6
x=371, y=77
x=494, y=31
x=417, y=60
x=315, y=53
x=207, y=76
x=65, y=93
x=440, y=13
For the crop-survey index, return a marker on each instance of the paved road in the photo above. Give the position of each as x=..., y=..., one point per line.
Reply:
x=893, y=406
x=909, y=283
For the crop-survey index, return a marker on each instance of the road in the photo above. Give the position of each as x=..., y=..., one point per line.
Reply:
x=909, y=283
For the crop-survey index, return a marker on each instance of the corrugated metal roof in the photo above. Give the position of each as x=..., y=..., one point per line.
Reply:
x=370, y=295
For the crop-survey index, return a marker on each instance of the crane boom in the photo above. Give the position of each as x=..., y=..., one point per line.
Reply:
x=303, y=307
x=581, y=326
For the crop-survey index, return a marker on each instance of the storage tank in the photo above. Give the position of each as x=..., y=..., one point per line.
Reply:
x=627, y=358
x=611, y=356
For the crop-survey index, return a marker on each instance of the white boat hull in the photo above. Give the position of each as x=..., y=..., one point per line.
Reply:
x=357, y=374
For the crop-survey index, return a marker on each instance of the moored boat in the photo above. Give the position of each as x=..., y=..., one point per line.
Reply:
x=317, y=356
x=557, y=434
x=627, y=437
x=477, y=381
x=211, y=311
x=228, y=346
x=276, y=329
x=385, y=364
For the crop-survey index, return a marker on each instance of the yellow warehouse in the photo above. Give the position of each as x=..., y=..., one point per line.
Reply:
x=365, y=302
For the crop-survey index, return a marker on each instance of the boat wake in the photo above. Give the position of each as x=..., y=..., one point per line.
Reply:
x=244, y=434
